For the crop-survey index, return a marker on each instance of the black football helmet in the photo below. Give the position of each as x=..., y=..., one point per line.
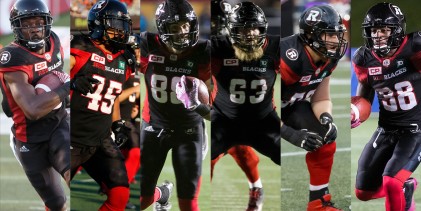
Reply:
x=384, y=15
x=23, y=9
x=110, y=16
x=219, y=13
x=321, y=20
x=243, y=16
x=175, y=12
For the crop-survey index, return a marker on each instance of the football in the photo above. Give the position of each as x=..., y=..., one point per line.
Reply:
x=360, y=108
x=203, y=89
x=47, y=83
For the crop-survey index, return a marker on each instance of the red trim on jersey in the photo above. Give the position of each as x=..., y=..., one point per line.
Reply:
x=314, y=65
x=18, y=115
x=287, y=74
x=143, y=64
x=23, y=68
x=361, y=72
x=41, y=56
x=81, y=58
x=416, y=60
x=214, y=91
x=204, y=72
x=394, y=55
x=146, y=114
x=106, y=53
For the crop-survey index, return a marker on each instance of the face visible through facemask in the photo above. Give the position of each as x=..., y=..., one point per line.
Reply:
x=380, y=36
x=180, y=33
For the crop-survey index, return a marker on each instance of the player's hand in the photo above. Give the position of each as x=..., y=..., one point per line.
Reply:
x=121, y=132
x=332, y=131
x=83, y=84
x=307, y=140
x=64, y=77
x=189, y=97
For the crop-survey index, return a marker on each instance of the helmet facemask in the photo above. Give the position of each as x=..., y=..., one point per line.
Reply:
x=383, y=38
x=117, y=31
x=179, y=35
x=248, y=37
x=329, y=43
x=32, y=30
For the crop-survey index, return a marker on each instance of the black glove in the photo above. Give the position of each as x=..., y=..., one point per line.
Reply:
x=301, y=138
x=83, y=84
x=332, y=131
x=121, y=132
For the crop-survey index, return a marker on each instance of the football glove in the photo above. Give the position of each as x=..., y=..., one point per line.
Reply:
x=332, y=131
x=83, y=84
x=307, y=140
x=121, y=132
x=189, y=97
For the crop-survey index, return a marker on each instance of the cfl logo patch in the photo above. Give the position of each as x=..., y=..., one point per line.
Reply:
x=374, y=70
x=231, y=62
x=156, y=59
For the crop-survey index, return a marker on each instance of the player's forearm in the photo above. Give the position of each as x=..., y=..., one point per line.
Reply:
x=127, y=92
x=320, y=107
x=37, y=106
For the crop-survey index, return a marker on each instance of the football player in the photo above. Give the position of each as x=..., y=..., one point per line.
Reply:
x=41, y=139
x=245, y=156
x=389, y=65
x=100, y=64
x=167, y=57
x=307, y=61
x=245, y=64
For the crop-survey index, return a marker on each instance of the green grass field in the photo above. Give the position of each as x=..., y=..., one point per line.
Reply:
x=360, y=136
x=16, y=193
x=295, y=178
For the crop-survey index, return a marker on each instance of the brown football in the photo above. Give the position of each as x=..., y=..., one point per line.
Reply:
x=360, y=108
x=203, y=89
x=47, y=83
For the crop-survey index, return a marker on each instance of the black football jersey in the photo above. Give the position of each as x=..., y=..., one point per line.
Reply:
x=243, y=90
x=13, y=58
x=127, y=105
x=396, y=81
x=163, y=71
x=300, y=76
x=91, y=114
